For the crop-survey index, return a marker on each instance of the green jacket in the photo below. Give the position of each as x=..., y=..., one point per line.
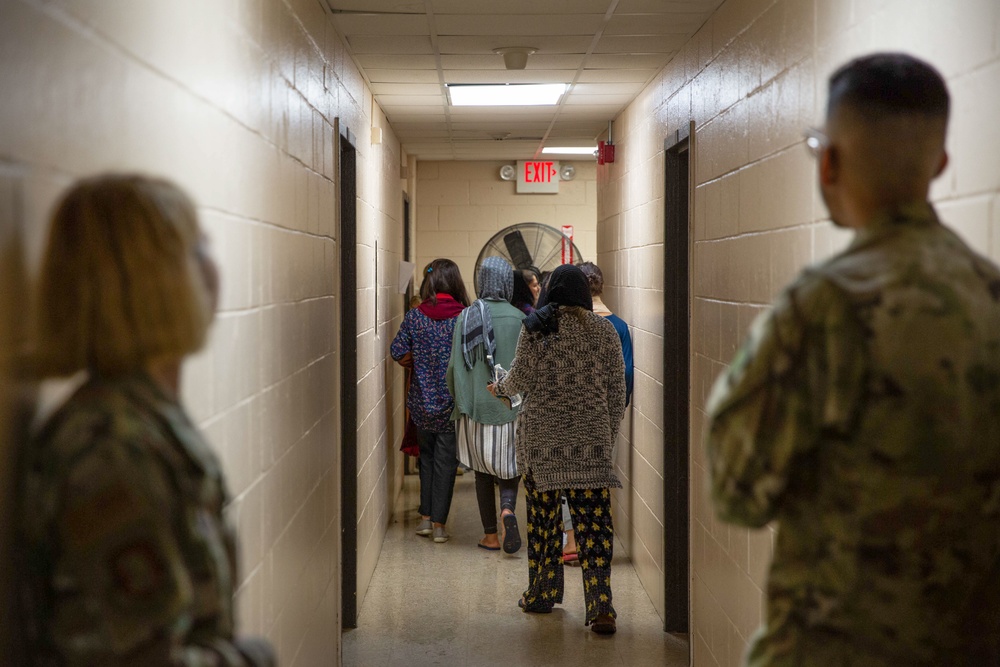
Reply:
x=468, y=386
x=863, y=416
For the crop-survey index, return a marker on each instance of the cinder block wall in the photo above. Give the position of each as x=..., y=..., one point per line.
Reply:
x=236, y=102
x=752, y=78
x=461, y=205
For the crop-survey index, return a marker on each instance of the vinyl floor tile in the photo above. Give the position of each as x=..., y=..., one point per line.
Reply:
x=456, y=604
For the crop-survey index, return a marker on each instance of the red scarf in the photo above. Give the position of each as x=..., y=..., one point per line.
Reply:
x=445, y=308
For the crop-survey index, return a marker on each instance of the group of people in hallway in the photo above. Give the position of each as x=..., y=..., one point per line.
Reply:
x=513, y=375
x=861, y=415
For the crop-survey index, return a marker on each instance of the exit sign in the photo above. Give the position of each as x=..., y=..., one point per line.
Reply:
x=538, y=176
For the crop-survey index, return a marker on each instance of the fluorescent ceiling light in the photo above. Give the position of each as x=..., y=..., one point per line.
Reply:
x=571, y=150
x=505, y=94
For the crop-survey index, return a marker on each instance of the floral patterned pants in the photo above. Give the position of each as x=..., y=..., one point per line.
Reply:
x=591, y=513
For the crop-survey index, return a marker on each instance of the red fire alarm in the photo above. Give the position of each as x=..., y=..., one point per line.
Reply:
x=605, y=153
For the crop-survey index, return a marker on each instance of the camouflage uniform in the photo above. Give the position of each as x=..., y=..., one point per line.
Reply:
x=125, y=556
x=863, y=415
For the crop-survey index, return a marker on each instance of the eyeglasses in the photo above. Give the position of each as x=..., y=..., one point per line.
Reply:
x=816, y=141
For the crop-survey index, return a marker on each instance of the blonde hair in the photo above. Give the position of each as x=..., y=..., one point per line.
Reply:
x=121, y=280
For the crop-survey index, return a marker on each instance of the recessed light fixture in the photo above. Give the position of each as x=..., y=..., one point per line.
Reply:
x=505, y=94
x=571, y=150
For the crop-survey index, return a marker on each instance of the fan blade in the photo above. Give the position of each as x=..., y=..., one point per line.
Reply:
x=518, y=249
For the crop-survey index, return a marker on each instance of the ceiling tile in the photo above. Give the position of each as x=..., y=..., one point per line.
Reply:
x=372, y=24
x=567, y=7
x=425, y=116
x=390, y=44
x=380, y=6
x=618, y=75
x=384, y=89
x=523, y=26
x=627, y=61
x=640, y=43
x=666, y=7
x=514, y=128
x=493, y=61
x=486, y=43
x=503, y=116
x=655, y=24
x=381, y=61
x=621, y=101
x=615, y=87
x=590, y=112
x=402, y=75
x=411, y=100
x=390, y=41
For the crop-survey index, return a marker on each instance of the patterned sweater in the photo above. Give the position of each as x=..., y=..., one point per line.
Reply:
x=429, y=340
x=573, y=383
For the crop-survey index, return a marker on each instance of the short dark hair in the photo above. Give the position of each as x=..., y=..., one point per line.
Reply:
x=889, y=84
x=595, y=278
x=443, y=277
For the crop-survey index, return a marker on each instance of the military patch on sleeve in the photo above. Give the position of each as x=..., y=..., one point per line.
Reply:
x=138, y=570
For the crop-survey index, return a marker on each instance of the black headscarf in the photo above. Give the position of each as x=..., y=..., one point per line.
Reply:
x=567, y=286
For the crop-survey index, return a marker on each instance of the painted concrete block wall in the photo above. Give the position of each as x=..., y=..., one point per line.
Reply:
x=463, y=204
x=236, y=102
x=752, y=78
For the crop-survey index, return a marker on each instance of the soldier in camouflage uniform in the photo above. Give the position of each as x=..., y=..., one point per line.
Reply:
x=125, y=556
x=862, y=414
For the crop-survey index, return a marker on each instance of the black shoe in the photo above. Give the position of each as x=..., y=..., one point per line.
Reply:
x=604, y=625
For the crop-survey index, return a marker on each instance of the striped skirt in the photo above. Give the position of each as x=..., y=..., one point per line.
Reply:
x=487, y=448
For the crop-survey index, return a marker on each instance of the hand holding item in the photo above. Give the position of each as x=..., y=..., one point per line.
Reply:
x=493, y=390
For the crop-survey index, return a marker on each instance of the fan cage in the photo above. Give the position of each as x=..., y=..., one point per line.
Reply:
x=543, y=243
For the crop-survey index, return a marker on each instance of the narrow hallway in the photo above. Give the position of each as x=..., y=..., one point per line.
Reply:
x=454, y=604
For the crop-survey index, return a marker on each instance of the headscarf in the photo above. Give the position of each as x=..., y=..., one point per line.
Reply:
x=496, y=283
x=567, y=286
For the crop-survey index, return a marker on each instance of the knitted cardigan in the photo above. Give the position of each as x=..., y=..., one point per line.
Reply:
x=573, y=383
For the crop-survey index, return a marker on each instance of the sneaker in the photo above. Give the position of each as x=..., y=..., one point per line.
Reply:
x=425, y=528
x=440, y=535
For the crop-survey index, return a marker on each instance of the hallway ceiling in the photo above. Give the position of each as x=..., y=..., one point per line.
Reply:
x=606, y=50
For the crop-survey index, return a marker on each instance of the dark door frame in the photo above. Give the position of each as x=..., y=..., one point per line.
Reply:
x=676, y=378
x=348, y=232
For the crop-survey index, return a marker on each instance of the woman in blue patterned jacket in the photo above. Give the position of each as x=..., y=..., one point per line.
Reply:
x=424, y=340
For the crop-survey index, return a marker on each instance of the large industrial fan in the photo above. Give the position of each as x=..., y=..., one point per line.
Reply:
x=529, y=245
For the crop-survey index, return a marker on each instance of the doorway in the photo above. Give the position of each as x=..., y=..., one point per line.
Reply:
x=347, y=176
x=676, y=378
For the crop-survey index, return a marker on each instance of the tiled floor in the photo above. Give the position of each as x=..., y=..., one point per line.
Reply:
x=455, y=604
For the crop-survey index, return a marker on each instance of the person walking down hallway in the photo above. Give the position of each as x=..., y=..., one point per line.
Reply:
x=424, y=340
x=568, y=366
x=861, y=414
x=595, y=279
x=124, y=555
x=524, y=297
x=486, y=335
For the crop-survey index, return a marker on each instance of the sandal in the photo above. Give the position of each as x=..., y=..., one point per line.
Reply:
x=534, y=608
x=511, y=535
x=571, y=558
